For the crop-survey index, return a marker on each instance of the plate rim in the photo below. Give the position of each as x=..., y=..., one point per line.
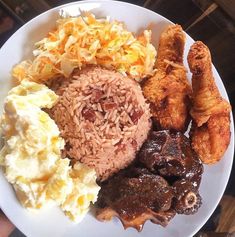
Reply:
x=57, y=8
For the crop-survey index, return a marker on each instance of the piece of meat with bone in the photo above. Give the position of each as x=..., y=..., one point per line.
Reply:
x=169, y=91
x=170, y=155
x=163, y=181
x=135, y=195
x=187, y=198
x=210, y=132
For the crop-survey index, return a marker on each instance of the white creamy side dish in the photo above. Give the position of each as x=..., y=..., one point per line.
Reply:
x=31, y=155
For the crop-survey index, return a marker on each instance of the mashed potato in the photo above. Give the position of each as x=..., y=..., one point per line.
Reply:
x=31, y=155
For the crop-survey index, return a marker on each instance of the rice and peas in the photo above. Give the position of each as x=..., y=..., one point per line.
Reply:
x=103, y=118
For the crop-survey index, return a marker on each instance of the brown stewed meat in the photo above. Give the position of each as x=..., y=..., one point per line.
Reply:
x=135, y=195
x=163, y=181
x=187, y=199
x=170, y=155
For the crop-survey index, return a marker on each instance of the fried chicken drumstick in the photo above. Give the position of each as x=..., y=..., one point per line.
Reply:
x=168, y=91
x=210, y=132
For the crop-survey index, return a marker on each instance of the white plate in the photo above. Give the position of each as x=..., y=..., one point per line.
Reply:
x=53, y=222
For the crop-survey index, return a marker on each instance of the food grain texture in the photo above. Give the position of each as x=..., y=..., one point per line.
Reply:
x=103, y=118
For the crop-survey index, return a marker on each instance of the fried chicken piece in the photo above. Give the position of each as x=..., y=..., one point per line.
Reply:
x=168, y=91
x=210, y=132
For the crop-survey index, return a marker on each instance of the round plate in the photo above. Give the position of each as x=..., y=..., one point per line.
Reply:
x=53, y=222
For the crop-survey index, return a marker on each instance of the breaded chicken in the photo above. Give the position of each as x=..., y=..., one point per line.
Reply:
x=210, y=132
x=168, y=91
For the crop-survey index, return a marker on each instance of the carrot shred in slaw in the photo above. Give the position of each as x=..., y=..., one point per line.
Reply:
x=84, y=40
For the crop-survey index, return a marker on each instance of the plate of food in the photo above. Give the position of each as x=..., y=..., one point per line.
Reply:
x=113, y=122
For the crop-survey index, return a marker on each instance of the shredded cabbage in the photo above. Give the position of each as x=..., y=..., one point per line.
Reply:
x=86, y=40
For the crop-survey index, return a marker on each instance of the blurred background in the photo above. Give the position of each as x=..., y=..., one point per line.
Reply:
x=211, y=21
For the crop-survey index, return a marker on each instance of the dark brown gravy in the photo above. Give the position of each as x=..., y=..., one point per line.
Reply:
x=163, y=181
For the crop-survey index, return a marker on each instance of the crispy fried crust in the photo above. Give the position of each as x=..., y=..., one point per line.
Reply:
x=210, y=133
x=168, y=91
x=206, y=97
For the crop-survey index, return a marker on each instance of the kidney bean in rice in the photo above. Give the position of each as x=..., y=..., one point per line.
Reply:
x=103, y=117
